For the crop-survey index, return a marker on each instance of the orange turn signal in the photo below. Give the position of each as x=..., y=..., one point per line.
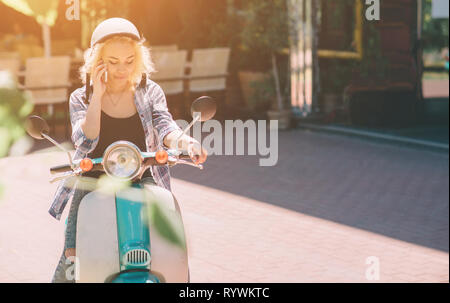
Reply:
x=86, y=164
x=161, y=156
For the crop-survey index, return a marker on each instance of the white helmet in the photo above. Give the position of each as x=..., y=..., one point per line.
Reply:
x=114, y=26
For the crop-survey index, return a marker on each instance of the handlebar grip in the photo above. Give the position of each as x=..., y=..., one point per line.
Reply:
x=60, y=169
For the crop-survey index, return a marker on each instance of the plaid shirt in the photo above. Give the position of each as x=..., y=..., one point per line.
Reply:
x=151, y=105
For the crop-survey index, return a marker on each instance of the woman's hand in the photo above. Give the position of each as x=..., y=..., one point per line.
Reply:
x=195, y=150
x=97, y=78
x=91, y=123
x=197, y=153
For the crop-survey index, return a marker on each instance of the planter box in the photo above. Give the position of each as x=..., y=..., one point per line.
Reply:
x=283, y=117
x=246, y=78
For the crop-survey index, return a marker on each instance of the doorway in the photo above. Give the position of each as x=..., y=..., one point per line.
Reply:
x=435, y=76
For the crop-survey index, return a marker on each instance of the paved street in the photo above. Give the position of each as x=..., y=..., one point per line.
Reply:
x=329, y=204
x=433, y=88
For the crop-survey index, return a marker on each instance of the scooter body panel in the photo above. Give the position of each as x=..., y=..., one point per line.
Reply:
x=169, y=262
x=133, y=231
x=96, y=243
x=136, y=277
x=108, y=226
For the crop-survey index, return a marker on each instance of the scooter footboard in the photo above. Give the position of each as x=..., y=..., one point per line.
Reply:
x=169, y=261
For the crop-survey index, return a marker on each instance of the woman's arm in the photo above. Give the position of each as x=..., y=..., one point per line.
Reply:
x=78, y=111
x=196, y=151
x=91, y=123
x=169, y=131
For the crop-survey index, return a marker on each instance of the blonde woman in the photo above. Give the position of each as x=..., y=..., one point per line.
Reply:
x=118, y=102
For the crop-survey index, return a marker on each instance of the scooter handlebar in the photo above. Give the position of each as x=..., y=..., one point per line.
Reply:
x=68, y=168
x=60, y=169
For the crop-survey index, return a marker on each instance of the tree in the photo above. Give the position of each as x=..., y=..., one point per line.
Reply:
x=266, y=29
x=435, y=31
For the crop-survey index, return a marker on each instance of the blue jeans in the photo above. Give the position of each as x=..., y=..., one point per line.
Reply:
x=71, y=234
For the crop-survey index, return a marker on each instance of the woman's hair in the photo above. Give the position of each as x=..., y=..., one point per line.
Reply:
x=143, y=59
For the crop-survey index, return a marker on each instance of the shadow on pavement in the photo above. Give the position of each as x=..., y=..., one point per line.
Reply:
x=396, y=191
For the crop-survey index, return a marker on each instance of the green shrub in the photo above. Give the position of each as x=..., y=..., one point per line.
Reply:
x=14, y=108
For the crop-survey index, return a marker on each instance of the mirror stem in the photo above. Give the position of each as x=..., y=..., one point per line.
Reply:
x=60, y=147
x=196, y=118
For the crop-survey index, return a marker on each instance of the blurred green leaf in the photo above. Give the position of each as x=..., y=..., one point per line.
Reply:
x=26, y=110
x=168, y=224
x=4, y=141
x=15, y=106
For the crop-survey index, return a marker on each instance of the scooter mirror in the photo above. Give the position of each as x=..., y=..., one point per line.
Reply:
x=36, y=126
x=204, y=105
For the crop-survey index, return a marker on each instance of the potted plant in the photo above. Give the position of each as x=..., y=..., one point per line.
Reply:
x=261, y=96
x=264, y=35
x=336, y=74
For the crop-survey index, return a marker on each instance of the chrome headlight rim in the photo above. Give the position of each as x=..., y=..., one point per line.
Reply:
x=126, y=144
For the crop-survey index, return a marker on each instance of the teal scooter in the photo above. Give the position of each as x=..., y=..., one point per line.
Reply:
x=117, y=240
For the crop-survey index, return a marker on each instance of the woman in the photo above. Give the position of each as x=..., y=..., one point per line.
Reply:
x=124, y=105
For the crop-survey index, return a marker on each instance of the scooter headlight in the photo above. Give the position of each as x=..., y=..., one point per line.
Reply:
x=122, y=160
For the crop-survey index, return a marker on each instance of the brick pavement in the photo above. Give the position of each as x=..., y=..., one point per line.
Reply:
x=236, y=239
x=316, y=217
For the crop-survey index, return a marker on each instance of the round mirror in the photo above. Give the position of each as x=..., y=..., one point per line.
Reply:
x=36, y=126
x=204, y=105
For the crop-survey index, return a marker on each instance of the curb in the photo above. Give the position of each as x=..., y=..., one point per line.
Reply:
x=374, y=135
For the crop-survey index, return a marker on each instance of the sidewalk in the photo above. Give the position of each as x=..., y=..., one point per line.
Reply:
x=431, y=137
x=432, y=132
x=236, y=239
x=435, y=88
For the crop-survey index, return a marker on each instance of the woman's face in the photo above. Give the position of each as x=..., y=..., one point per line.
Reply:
x=119, y=58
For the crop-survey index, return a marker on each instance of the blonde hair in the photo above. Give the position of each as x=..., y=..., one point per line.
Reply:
x=143, y=59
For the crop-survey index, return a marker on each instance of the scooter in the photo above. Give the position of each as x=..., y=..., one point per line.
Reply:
x=117, y=240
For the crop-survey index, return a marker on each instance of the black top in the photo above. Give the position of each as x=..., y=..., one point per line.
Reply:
x=117, y=129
